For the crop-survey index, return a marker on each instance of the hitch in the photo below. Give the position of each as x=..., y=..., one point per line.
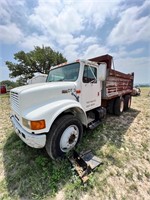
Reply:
x=84, y=163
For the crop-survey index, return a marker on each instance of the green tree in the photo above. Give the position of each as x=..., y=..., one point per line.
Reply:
x=39, y=60
x=9, y=84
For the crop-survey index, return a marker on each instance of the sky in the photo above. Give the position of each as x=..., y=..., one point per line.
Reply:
x=79, y=29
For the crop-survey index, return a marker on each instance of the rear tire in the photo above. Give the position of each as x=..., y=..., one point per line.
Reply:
x=110, y=108
x=127, y=102
x=118, y=106
x=64, y=135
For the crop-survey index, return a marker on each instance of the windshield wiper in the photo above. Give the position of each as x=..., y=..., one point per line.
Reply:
x=61, y=79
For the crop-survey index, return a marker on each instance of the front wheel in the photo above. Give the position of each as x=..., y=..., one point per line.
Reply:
x=64, y=135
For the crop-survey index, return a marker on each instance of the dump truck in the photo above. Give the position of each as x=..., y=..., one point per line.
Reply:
x=75, y=95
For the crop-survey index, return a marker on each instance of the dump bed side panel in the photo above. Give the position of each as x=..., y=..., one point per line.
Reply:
x=117, y=84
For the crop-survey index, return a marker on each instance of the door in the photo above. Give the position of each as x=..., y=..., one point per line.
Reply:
x=91, y=90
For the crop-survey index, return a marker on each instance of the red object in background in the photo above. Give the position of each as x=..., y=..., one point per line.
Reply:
x=3, y=89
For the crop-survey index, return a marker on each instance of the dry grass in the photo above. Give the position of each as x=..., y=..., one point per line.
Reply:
x=123, y=143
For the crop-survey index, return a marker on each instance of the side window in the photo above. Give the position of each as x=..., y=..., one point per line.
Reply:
x=89, y=74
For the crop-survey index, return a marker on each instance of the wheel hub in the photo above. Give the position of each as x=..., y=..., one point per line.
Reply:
x=69, y=138
x=72, y=138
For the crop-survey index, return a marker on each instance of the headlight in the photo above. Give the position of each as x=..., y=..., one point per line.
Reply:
x=34, y=125
x=26, y=123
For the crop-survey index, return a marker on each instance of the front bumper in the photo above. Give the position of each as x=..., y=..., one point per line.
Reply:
x=32, y=140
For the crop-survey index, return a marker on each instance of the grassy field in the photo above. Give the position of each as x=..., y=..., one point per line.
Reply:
x=123, y=144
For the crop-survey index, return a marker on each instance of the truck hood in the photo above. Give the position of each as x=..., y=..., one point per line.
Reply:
x=41, y=93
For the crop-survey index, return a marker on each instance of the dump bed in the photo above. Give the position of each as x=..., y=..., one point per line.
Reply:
x=116, y=83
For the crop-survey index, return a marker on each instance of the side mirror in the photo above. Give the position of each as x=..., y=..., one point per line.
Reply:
x=102, y=69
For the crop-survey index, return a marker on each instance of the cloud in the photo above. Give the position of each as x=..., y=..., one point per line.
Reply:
x=132, y=27
x=10, y=9
x=123, y=52
x=94, y=50
x=65, y=39
x=10, y=33
x=76, y=12
x=97, y=12
x=65, y=23
x=71, y=52
x=58, y=23
x=90, y=40
x=32, y=40
x=57, y=18
x=4, y=14
x=67, y=19
x=139, y=65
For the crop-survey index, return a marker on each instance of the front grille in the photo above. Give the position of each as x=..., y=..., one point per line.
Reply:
x=14, y=99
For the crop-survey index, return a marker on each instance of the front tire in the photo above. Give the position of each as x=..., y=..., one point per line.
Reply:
x=64, y=135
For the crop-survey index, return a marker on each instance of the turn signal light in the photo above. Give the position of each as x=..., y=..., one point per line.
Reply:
x=37, y=125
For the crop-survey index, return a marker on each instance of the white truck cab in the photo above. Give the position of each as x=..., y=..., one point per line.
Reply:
x=53, y=114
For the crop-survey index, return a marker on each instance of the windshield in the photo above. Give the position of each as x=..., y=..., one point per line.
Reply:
x=65, y=73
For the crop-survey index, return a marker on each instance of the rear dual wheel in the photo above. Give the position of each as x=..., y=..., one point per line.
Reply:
x=127, y=102
x=121, y=104
x=118, y=106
